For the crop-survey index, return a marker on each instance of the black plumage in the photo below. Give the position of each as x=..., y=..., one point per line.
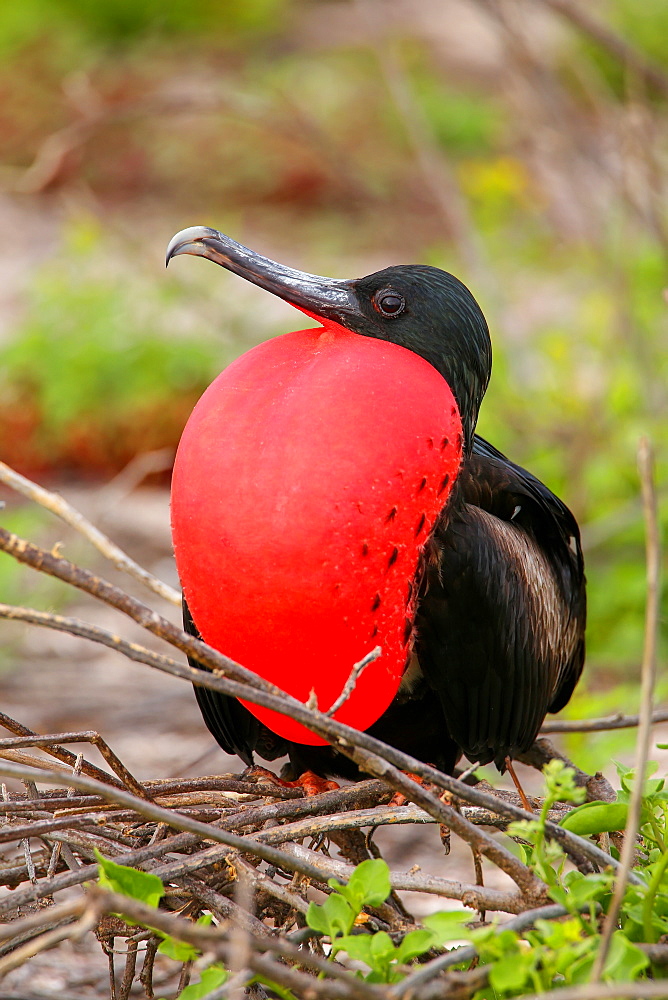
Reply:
x=499, y=629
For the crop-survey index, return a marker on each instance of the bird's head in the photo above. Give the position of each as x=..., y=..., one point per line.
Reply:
x=421, y=308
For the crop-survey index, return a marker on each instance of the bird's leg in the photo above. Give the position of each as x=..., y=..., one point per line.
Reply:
x=522, y=794
x=311, y=782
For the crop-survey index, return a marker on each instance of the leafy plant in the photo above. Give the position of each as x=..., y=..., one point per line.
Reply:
x=369, y=885
x=550, y=954
x=149, y=889
x=542, y=853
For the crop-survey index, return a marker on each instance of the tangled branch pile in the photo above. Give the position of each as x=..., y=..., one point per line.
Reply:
x=248, y=854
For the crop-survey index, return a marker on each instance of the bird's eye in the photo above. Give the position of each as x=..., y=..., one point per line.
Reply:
x=388, y=302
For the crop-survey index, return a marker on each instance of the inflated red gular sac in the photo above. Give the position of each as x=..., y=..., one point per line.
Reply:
x=311, y=487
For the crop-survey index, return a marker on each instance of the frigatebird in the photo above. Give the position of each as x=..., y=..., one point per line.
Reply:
x=493, y=572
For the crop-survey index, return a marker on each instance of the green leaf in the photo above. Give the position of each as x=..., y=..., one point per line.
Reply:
x=143, y=886
x=339, y=913
x=596, y=817
x=384, y=975
x=178, y=950
x=525, y=829
x=625, y=961
x=357, y=946
x=492, y=944
x=415, y=943
x=334, y=916
x=382, y=949
x=316, y=918
x=579, y=890
x=560, y=782
x=369, y=884
x=650, y=786
x=210, y=980
x=448, y=925
x=509, y=974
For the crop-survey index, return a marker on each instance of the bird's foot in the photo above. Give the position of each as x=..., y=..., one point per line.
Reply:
x=311, y=782
x=520, y=791
x=399, y=799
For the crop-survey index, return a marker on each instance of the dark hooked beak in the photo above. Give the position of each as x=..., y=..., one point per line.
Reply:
x=329, y=298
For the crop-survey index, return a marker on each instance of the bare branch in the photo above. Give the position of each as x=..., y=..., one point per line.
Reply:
x=26, y=737
x=43, y=919
x=608, y=722
x=639, y=990
x=354, y=676
x=444, y=814
x=66, y=512
x=473, y=896
x=647, y=682
x=48, y=940
x=361, y=818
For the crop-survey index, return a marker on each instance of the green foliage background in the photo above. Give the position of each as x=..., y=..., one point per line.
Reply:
x=341, y=144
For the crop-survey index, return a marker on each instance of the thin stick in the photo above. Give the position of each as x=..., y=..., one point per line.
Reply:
x=530, y=886
x=648, y=678
x=48, y=743
x=57, y=848
x=608, y=722
x=43, y=917
x=46, y=941
x=354, y=676
x=66, y=512
x=239, y=936
x=359, y=818
x=471, y=895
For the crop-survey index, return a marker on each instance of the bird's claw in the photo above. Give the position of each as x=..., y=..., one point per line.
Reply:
x=311, y=782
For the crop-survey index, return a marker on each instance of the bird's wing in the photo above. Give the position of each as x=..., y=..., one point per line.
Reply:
x=234, y=728
x=500, y=627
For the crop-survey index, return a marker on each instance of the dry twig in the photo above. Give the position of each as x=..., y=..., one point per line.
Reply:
x=608, y=722
x=648, y=678
x=66, y=512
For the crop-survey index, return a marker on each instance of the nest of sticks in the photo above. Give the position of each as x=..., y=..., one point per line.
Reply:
x=244, y=850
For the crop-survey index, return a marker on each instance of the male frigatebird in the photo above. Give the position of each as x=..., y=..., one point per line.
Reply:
x=330, y=495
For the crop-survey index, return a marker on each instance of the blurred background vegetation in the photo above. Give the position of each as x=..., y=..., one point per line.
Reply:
x=521, y=144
